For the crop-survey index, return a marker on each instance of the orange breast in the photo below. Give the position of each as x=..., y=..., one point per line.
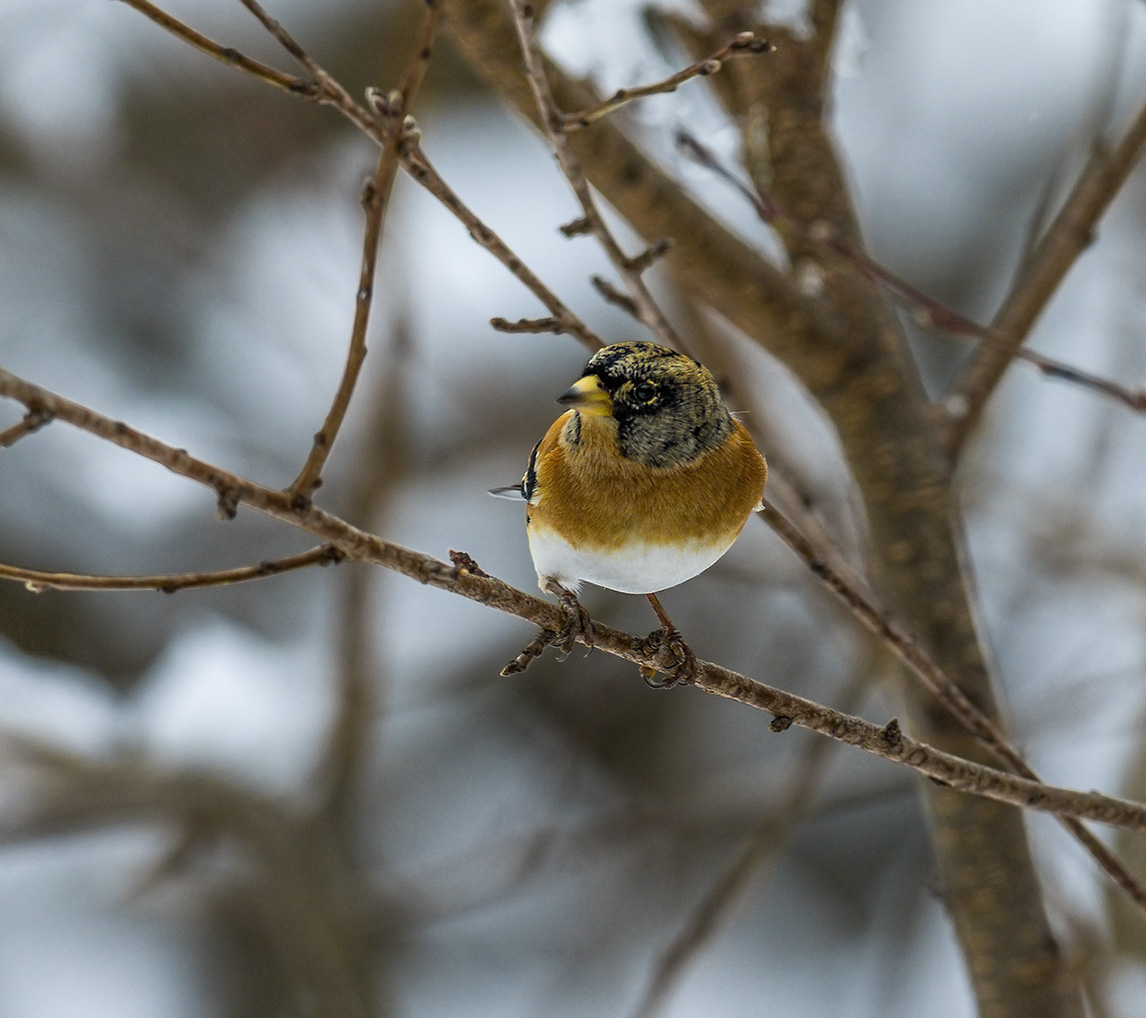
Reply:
x=595, y=498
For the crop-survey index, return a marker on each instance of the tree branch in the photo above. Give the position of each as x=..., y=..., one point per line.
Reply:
x=375, y=201
x=1052, y=258
x=553, y=124
x=415, y=162
x=887, y=741
x=925, y=310
x=37, y=580
x=743, y=44
x=225, y=54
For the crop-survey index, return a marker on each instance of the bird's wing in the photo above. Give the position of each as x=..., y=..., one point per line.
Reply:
x=524, y=491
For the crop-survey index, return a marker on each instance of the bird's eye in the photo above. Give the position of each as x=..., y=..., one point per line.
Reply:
x=644, y=392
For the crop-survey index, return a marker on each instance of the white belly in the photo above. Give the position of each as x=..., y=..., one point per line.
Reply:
x=640, y=569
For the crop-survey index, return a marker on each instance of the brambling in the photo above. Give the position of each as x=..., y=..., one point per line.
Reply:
x=644, y=483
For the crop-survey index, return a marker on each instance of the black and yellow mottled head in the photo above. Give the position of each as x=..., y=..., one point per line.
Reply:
x=666, y=406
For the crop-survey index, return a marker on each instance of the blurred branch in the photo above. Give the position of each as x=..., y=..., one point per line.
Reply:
x=168, y=583
x=1071, y=232
x=329, y=90
x=375, y=201
x=887, y=741
x=761, y=846
x=323, y=89
x=307, y=905
x=225, y=54
x=852, y=592
x=925, y=310
x=379, y=462
x=825, y=16
x=553, y=124
x=535, y=326
x=743, y=44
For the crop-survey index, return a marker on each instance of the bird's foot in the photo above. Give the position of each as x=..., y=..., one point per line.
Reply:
x=578, y=625
x=686, y=668
x=668, y=635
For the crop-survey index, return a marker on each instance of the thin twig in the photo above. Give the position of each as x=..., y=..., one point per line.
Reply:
x=327, y=85
x=926, y=311
x=611, y=295
x=422, y=170
x=323, y=89
x=887, y=741
x=225, y=54
x=743, y=44
x=552, y=123
x=850, y=589
x=361, y=680
x=413, y=159
x=37, y=580
x=1066, y=238
x=375, y=201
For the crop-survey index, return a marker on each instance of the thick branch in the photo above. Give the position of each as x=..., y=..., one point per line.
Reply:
x=924, y=309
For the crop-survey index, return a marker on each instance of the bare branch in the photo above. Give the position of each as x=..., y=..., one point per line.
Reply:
x=168, y=583
x=225, y=54
x=533, y=325
x=375, y=201
x=887, y=741
x=926, y=311
x=614, y=296
x=650, y=255
x=850, y=589
x=422, y=170
x=329, y=89
x=552, y=123
x=1055, y=254
x=743, y=44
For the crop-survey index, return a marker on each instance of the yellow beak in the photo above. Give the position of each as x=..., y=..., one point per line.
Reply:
x=587, y=395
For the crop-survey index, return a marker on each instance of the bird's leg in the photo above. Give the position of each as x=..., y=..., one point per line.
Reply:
x=668, y=635
x=577, y=621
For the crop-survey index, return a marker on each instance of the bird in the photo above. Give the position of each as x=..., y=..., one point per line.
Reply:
x=644, y=482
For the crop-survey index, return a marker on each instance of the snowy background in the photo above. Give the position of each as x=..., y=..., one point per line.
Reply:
x=179, y=249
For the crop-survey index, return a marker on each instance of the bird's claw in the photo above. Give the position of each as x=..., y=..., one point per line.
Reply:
x=686, y=668
x=578, y=625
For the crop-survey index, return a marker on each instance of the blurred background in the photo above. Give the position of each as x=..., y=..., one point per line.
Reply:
x=185, y=831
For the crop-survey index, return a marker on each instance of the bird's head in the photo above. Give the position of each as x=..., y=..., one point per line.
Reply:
x=666, y=406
